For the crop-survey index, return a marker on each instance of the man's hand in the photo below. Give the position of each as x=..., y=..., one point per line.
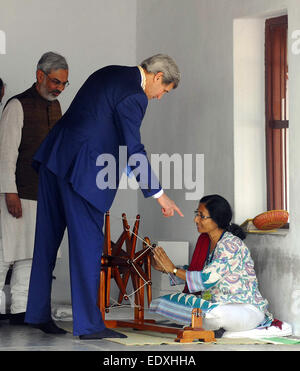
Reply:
x=168, y=206
x=13, y=204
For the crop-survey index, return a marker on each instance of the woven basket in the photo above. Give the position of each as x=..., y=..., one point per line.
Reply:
x=272, y=219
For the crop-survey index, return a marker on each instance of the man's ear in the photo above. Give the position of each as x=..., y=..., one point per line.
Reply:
x=40, y=76
x=159, y=76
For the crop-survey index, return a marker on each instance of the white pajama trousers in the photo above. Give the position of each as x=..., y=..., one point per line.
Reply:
x=233, y=317
x=16, y=251
x=19, y=283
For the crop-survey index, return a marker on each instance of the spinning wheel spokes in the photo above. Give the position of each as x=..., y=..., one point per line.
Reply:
x=121, y=265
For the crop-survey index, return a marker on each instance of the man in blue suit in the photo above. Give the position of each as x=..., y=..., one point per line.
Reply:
x=106, y=113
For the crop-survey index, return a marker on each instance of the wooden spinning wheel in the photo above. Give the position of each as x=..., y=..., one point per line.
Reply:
x=120, y=265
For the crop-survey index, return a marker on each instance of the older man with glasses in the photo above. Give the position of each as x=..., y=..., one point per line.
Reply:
x=26, y=120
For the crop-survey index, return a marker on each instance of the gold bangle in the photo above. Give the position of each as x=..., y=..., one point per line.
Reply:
x=175, y=271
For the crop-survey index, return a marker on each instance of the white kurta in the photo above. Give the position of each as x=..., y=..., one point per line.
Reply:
x=17, y=234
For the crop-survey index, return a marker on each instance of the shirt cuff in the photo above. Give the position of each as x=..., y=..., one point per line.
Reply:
x=194, y=281
x=158, y=194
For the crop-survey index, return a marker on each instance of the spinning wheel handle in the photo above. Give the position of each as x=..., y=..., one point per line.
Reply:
x=104, y=261
x=197, y=312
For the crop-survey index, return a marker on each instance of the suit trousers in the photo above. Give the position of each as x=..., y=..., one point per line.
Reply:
x=60, y=207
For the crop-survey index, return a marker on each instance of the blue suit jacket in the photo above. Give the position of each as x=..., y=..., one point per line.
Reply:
x=106, y=113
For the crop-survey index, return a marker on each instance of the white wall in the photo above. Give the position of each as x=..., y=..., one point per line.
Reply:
x=90, y=34
x=250, y=197
x=197, y=117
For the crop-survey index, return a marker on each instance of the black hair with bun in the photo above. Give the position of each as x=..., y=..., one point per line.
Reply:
x=221, y=213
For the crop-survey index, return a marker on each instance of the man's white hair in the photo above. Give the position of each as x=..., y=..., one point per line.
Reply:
x=52, y=61
x=165, y=64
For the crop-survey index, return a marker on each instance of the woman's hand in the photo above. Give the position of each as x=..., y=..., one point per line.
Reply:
x=156, y=265
x=162, y=260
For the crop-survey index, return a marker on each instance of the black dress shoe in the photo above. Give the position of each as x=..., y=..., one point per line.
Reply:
x=106, y=333
x=4, y=317
x=49, y=327
x=219, y=333
x=17, y=319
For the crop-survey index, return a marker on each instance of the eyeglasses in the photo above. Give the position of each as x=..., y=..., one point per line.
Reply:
x=200, y=215
x=57, y=82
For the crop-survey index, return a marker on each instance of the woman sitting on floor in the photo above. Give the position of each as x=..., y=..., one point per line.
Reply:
x=220, y=280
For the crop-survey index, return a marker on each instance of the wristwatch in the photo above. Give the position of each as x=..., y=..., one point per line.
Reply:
x=175, y=271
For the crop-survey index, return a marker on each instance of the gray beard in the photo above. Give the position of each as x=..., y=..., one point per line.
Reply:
x=44, y=93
